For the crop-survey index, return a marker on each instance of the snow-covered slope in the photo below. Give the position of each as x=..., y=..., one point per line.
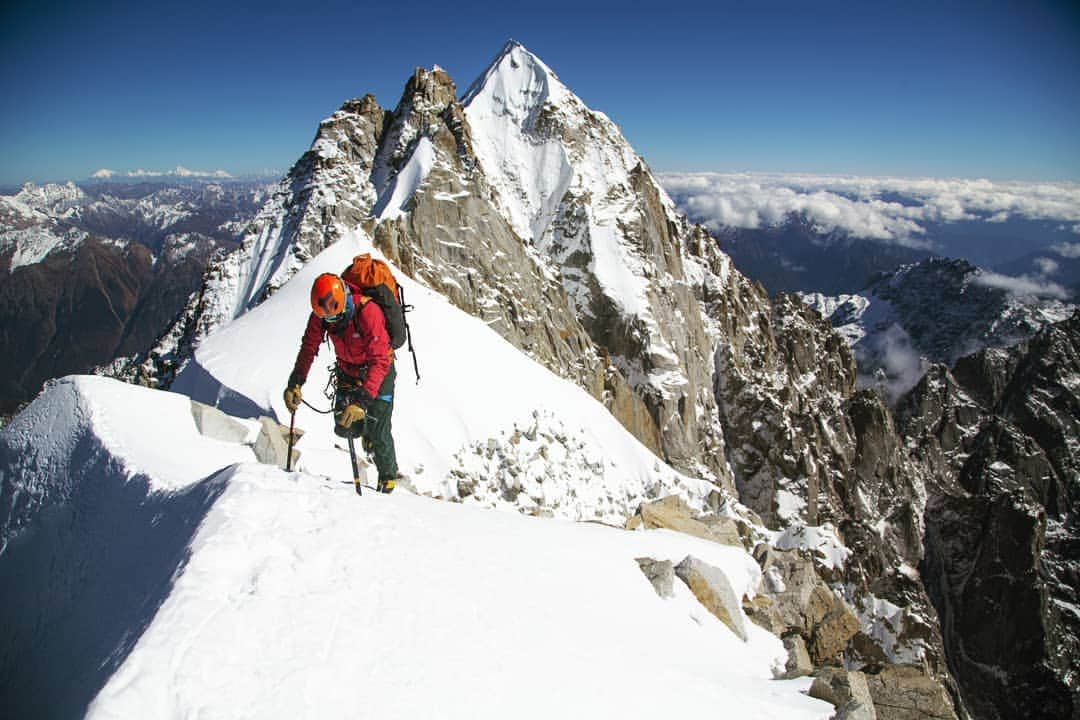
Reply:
x=102, y=486
x=78, y=420
x=486, y=423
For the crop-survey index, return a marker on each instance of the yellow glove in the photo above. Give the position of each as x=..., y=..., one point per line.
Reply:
x=292, y=398
x=351, y=413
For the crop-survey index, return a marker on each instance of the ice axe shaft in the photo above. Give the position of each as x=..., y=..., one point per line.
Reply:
x=355, y=467
x=292, y=437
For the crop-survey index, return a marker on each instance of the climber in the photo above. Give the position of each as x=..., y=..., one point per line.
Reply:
x=364, y=371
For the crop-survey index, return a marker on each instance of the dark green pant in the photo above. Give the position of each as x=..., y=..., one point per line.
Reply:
x=376, y=429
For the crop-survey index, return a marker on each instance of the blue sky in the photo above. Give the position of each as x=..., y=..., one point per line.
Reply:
x=941, y=89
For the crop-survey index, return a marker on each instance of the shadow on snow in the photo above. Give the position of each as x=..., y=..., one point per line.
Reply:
x=82, y=580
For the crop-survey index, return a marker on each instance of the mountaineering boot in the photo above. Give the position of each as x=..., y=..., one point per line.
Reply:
x=386, y=485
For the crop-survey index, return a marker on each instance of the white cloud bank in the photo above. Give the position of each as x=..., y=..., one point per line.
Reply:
x=1070, y=250
x=1034, y=285
x=886, y=209
x=179, y=171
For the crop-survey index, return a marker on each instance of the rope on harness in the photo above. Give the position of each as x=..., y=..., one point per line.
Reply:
x=329, y=391
x=321, y=412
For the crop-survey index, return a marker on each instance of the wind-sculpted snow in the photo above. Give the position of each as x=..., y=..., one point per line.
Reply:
x=102, y=486
x=39, y=469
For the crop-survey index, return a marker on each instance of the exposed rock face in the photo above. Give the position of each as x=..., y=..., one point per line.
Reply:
x=782, y=377
x=904, y=693
x=325, y=194
x=449, y=234
x=809, y=451
x=595, y=221
x=806, y=605
x=1001, y=537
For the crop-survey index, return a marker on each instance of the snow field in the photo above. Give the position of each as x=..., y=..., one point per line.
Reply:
x=301, y=600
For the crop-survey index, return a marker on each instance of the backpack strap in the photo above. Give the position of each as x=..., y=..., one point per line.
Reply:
x=362, y=301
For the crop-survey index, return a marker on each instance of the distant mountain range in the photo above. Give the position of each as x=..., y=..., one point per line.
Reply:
x=94, y=271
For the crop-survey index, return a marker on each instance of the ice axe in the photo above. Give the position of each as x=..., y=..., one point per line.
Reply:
x=355, y=467
x=357, y=479
x=292, y=436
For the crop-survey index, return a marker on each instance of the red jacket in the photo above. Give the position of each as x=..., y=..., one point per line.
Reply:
x=363, y=342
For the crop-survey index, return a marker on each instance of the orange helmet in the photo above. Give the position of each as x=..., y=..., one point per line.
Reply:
x=328, y=297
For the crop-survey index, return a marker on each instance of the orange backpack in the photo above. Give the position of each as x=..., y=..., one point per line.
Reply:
x=377, y=283
x=367, y=272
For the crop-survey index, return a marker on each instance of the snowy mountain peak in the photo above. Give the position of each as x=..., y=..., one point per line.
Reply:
x=518, y=84
x=51, y=196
